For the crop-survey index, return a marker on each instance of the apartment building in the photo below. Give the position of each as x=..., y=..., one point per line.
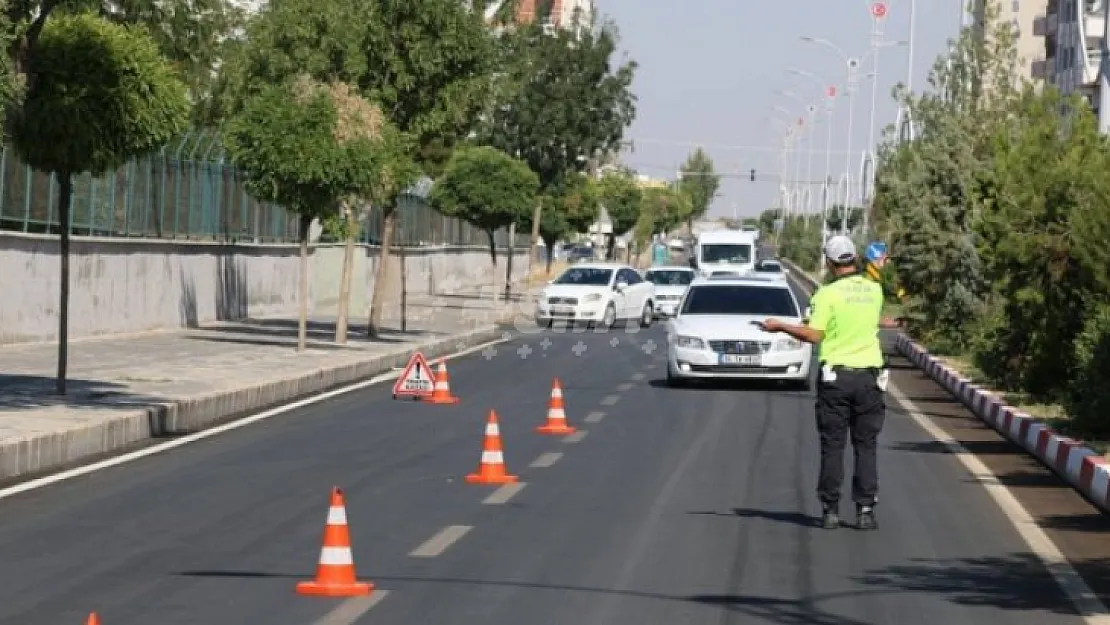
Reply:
x=1025, y=17
x=1073, y=31
x=558, y=13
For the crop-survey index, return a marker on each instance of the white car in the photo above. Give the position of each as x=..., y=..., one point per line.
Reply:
x=713, y=337
x=603, y=293
x=670, y=284
x=771, y=269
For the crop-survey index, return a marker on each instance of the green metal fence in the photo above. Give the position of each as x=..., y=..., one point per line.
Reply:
x=189, y=191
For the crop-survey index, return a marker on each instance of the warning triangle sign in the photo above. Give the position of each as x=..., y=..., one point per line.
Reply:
x=417, y=380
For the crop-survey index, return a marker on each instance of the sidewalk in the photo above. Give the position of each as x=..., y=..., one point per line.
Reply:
x=124, y=391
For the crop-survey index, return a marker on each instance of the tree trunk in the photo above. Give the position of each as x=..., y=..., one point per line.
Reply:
x=550, y=249
x=493, y=260
x=302, y=295
x=344, y=304
x=534, y=249
x=374, y=324
x=65, y=200
x=404, y=286
x=509, y=263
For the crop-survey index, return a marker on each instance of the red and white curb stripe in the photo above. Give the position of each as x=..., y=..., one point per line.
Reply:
x=1082, y=468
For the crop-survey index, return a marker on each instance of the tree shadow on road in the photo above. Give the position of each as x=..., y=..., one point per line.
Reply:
x=1018, y=582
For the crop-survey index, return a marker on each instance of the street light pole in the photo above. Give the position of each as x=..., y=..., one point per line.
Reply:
x=812, y=110
x=828, y=165
x=878, y=14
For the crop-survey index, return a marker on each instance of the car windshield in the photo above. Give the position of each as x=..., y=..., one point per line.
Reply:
x=737, y=299
x=586, y=276
x=726, y=253
x=669, y=277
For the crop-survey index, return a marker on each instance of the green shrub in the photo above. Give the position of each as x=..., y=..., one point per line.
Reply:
x=1089, y=395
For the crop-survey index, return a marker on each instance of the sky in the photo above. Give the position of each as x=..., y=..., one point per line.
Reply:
x=709, y=71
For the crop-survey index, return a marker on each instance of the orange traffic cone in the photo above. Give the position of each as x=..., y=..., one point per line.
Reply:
x=335, y=573
x=441, y=394
x=556, y=415
x=93, y=619
x=492, y=468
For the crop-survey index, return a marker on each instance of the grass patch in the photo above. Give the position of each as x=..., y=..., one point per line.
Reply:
x=1051, y=414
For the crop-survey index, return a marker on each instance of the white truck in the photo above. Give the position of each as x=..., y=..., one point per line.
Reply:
x=717, y=250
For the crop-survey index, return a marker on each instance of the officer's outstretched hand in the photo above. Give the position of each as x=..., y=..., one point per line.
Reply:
x=769, y=325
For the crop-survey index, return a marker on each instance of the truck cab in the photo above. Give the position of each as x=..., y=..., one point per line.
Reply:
x=718, y=250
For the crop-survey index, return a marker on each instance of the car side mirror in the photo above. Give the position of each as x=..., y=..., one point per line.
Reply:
x=622, y=286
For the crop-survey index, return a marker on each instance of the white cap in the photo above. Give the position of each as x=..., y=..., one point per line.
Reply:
x=840, y=249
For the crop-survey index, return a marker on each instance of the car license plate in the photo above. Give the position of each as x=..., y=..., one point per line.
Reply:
x=740, y=359
x=562, y=309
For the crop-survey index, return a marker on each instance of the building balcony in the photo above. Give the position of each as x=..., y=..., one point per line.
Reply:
x=1040, y=26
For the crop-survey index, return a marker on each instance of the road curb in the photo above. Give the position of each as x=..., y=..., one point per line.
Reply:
x=1082, y=468
x=51, y=451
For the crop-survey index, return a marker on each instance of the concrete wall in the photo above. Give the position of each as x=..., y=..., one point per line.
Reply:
x=125, y=286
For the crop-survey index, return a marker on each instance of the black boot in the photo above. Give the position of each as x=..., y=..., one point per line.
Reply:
x=865, y=518
x=830, y=519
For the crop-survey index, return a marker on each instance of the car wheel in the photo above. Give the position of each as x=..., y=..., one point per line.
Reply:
x=647, y=316
x=610, y=318
x=673, y=380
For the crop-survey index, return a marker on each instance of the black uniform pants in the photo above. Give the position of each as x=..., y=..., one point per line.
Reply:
x=852, y=404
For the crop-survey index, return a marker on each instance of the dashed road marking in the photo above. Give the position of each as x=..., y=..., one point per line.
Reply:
x=639, y=377
x=574, y=438
x=627, y=386
x=504, y=494
x=595, y=417
x=351, y=610
x=439, y=543
x=546, y=460
x=610, y=400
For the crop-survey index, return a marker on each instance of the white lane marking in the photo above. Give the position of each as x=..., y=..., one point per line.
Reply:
x=504, y=494
x=546, y=460
x=639, y=377
x=574, y=438
x=627, y=386
x=351, y=610
x=1070, y=581
x=439, y=543
x=610, y=400
x=114, y=461
x=595, y=417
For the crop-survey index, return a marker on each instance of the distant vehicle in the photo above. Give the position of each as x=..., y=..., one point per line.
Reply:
x=670, y=283
x=603, y=293
x=712, y=334
x=725, y=250
x=580, y=254
x=771, y=268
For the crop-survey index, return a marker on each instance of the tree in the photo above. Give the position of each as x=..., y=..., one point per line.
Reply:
x=102, y=95
x=569, y=207
x=560, y=103
x=698, y=181
x=193, y=36
x=296, y=150
x=426, y=63
x=621, y=197
x=661, y=210
x=488, y=189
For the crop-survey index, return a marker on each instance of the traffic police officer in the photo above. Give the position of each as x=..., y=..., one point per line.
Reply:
x=844, y=323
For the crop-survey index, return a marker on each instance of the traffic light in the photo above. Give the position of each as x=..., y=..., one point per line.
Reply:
x=753, y=175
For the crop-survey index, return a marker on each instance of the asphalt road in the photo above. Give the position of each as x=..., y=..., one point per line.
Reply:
x=676, y=506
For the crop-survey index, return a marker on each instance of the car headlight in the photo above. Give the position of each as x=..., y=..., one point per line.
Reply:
x=592, y=297
x=689, y=342
x=787, y=345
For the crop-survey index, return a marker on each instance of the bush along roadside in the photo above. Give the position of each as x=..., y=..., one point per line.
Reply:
x=997, y=215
